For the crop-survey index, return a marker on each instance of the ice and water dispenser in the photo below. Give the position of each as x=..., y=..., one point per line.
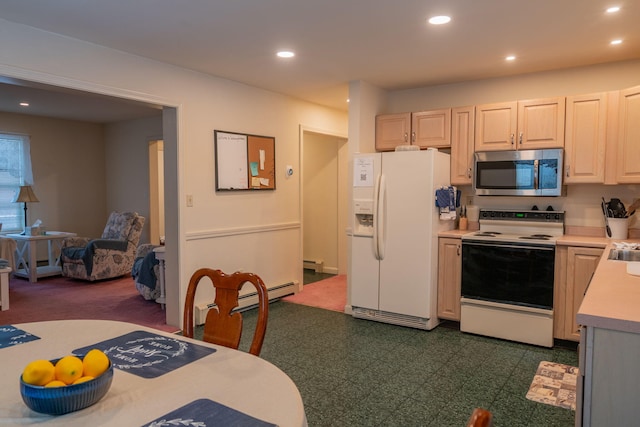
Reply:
x=363, y=210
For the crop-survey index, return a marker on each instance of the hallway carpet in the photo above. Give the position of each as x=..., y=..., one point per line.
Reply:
x=60, y=298
x=330, y=294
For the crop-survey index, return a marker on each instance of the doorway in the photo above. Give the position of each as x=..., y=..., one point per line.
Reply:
x=324, y=205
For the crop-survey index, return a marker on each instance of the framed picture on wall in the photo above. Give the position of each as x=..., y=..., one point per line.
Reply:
x=244, y=161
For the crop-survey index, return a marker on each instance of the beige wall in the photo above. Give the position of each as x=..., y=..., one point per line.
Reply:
x=127, y=171
x=582, y=202
x=68, y=162
x=570, y=81
x=251, y=231
x=321, y=197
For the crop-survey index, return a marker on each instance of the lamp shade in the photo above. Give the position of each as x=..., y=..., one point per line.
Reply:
x=26, y=195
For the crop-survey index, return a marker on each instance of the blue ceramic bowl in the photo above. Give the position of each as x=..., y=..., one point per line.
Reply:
x=62, y=400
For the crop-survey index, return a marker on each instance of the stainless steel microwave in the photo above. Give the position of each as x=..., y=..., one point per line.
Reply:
x=518, y=173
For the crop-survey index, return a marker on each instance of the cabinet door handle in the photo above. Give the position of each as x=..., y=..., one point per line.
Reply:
x=413, y=136
x=520, y=138
x=469, y=173
x=568, y=168
x=406, y=137
x=511, y=138
x=458, y=249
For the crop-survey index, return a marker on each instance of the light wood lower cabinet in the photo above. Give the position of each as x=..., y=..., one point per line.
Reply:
x=574, y=268
x=449, y=278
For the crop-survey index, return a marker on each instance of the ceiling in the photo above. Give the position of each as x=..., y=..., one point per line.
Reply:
x=386, y=43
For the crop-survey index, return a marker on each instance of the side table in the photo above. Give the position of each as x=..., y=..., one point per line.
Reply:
x=26, y=256
x=4, y=288
x=160, y=256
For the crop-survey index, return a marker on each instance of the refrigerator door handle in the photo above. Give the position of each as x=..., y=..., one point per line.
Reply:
x=376, y=198
x=381, y=217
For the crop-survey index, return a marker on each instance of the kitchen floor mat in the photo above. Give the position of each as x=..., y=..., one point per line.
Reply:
x=554, y=384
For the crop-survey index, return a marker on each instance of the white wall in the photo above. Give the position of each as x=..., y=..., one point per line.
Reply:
x=253, y=231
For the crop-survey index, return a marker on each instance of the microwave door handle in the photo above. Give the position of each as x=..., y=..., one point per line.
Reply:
x=535, y=174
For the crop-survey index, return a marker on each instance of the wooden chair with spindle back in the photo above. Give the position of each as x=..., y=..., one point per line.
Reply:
x=480, y=418
x=221, y=326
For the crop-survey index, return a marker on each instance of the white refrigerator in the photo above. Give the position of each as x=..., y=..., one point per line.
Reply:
x=394, y=247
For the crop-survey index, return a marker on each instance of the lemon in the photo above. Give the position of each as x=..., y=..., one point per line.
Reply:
x=69, y=369
x=55, y=383
x=94, y=363
x=38, y=372
x=83, y=379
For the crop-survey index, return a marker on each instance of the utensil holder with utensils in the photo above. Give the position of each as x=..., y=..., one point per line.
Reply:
x=619, y=228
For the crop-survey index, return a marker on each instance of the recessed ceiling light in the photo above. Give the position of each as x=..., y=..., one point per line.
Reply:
x=24, y=104
x=510, y=58
x=613, y=9
x=618, y=41
x=285, y=54
x=439, y=20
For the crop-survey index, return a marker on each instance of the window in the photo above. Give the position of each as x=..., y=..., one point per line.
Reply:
x=15, y=170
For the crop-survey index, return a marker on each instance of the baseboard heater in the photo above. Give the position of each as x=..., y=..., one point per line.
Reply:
x=317, y=265
x=395, y=318
x=246, y=301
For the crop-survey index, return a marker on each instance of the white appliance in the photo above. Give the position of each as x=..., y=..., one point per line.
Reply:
x=394, y=248
x=508, y=272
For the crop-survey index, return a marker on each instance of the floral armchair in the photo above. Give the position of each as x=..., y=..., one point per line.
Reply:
x=110, y=256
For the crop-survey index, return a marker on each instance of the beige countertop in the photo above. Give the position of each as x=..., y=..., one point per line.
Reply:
x=455, y=234
x=612, y=300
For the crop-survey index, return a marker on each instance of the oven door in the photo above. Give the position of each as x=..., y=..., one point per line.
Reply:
x=509, y=273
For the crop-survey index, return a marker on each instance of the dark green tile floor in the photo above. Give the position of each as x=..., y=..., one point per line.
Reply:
x=353, y=372
x=310, y=276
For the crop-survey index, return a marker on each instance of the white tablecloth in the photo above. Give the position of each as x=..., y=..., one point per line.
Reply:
x=233, y=378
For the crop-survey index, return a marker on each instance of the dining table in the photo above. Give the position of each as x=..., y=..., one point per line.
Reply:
x=159, y=378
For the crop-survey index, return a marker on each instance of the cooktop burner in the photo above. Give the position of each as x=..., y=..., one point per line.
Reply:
x=536, y=227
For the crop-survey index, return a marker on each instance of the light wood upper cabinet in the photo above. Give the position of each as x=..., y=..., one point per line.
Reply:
x=496, y=126
x=449, y=278
x=462, y=145
x=431, y=128
x=425, y=129
x=585, y=138
x=522, y=125
x=392, y=130
x=628, y=153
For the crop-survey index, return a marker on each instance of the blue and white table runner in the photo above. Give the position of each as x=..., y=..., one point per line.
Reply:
x=148, y=355
x=10, y=336
x=205, y=412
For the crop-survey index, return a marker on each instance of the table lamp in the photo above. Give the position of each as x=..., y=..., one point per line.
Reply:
x=26, y=195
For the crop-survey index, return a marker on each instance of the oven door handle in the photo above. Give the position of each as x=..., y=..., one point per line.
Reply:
x=536, y=165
